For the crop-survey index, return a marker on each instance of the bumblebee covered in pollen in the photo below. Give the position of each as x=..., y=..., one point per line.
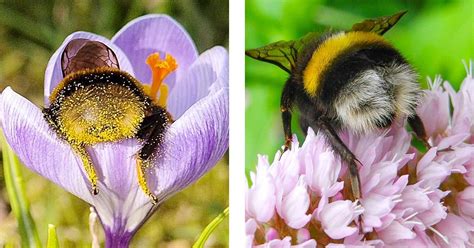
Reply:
x=97, y=102
x=354, y=80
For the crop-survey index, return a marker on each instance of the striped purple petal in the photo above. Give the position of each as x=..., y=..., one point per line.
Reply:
x=210, y=69
x=38, y=147
x=194, y=144
x=156, y=33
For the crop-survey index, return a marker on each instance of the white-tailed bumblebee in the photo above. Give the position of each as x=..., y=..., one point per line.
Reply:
x=353, y=80
x=97, y=102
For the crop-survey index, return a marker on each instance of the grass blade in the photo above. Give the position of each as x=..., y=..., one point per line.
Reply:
x=210, y=228
x=16, y=195
x=34, y=30
x=52, y=237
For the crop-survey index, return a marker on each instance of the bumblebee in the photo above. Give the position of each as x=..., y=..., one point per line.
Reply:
x=354, y=80
x=97, y=102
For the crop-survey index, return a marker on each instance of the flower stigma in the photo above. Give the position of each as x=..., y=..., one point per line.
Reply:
x=160, y=69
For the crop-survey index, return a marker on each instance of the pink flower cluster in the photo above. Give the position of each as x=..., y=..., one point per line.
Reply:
x=410, y=198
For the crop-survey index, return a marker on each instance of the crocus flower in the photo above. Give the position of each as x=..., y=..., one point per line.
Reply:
x=410, y=197
x=198, y=101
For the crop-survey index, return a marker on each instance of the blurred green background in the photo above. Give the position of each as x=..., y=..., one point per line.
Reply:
x=435, y=36
x=30, y=31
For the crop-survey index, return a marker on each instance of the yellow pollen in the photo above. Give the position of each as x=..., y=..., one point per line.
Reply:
x=160, y=69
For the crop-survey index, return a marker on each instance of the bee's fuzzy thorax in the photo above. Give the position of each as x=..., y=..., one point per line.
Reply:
x=332, y=47
x=84, y=76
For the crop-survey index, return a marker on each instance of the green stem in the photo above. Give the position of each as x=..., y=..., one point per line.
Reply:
x=52, y=237
x=210, y=228
x=17, y=196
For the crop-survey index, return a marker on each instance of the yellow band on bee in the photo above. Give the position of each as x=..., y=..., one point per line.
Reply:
x=329, y=50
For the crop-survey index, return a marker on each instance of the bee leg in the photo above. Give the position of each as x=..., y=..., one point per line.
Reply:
x=419, y=129
x=80, y=150
x=286, y=117
x=149, y=123
x=152, y=130
x=346, y=155
x=304, y=124
x=286, y=103
x=142, y=165
x=147, y=126
x=88, y=166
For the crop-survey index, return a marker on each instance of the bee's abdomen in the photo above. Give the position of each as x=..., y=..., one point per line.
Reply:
x=98, y=105
x=370, y=87
x=100, y=113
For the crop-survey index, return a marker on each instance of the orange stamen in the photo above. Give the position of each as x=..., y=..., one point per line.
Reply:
x=160, y=69
x=163, y=95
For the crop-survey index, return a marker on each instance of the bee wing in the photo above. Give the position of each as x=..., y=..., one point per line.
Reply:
x=81, y=54
x=378, y=25
x=282, y=53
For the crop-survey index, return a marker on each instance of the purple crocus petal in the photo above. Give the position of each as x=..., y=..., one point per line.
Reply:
x=210, y=69
x=193, y=145
x=54, y=75
x=155, y=33
x=121, y=204
x=37, y=147
x=111, y=157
